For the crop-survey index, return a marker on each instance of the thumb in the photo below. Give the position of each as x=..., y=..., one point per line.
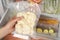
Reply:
x=14, y=20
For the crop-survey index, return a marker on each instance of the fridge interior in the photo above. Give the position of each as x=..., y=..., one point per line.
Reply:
x=46, y=25
x=49, y=20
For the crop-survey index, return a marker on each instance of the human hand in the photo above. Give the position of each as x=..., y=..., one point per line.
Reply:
x=10, y=25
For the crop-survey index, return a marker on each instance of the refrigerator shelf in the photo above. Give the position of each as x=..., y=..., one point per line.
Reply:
x=57, y=16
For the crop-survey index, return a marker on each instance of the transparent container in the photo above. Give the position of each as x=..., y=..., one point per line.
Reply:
x=47, y=27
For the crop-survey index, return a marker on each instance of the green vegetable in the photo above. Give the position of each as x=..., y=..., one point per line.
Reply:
x=51, y=6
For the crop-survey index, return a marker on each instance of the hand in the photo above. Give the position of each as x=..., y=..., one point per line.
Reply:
x=9, y=27
x=11, y=24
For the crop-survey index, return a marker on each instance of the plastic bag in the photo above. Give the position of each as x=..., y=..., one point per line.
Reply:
x=31, y=15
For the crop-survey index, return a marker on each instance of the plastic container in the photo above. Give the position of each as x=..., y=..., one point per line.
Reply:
x=48, y=28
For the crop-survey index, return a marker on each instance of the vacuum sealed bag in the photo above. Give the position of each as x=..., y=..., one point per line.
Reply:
x=29, y=20
x=30, y=15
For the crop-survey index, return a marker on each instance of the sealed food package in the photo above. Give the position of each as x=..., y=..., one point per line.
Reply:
x=26, y=23
x=29, y=20
x=30, y=16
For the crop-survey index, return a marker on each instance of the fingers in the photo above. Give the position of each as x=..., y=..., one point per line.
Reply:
x=13, y=21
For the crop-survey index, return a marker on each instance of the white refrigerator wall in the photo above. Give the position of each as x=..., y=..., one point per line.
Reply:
x=1, y=8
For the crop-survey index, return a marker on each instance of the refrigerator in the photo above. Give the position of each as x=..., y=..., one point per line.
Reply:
x=49, y=22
